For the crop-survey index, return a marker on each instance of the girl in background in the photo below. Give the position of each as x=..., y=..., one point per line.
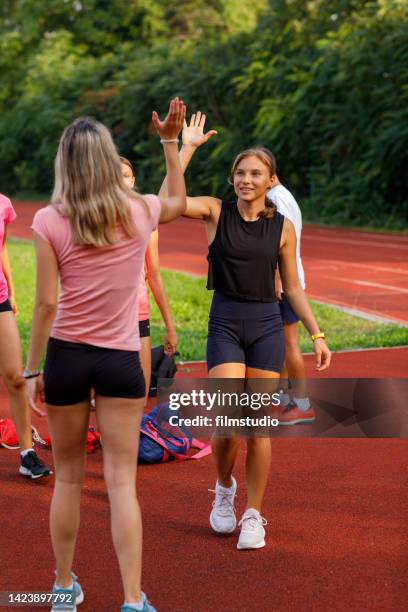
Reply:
x=11, y=363
x=151, y=273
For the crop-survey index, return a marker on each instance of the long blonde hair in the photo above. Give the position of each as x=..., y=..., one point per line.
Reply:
x=89, y=184
x=268, y=159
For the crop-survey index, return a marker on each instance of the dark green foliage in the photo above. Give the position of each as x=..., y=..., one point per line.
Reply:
x=323, y=83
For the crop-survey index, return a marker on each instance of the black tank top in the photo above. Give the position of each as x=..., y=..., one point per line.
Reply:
x=243, y=255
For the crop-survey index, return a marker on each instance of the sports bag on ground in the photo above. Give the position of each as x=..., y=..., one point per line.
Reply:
x=161, y=442
x=8, y=434
x=93, y=440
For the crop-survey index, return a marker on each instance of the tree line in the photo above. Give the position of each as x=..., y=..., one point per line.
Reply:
x=323, y=84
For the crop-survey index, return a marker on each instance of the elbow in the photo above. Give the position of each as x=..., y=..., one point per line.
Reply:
x=154, y=279
x=46, y=309
x=177, y=206
x=292, y=289
x=182, y=205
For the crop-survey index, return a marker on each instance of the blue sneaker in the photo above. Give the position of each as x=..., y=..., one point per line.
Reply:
x=147, y=607
x=67, y=599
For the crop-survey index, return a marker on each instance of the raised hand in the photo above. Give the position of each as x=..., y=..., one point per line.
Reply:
x=171, y=126
x=193, y=134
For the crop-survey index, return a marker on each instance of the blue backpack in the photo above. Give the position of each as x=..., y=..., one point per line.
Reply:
x=161, y=442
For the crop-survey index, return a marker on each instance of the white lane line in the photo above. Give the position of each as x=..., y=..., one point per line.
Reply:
x=360, y=243
x=380, y=286
x=372, y=348
x=337, y=264
x=363, y=314
x=391, y=288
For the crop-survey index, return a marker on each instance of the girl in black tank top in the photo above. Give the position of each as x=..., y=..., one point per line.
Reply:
x=247, y=238
x=243, y=256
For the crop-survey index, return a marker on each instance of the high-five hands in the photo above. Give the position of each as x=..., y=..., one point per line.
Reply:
x=193, y=134
x=171, y=126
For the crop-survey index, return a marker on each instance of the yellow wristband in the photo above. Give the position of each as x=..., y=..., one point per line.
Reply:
x=317, y=336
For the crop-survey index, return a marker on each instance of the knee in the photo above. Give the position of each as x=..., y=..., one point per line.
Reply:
x=69, y=478
x=14, y=380
x=69, y=470
x=119, y=478
x=224, y=444
x=255, y=444
x=292, y=352
x=291, y=343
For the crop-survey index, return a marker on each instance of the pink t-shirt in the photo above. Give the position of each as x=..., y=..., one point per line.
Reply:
x=7, y=215
x=99, y=285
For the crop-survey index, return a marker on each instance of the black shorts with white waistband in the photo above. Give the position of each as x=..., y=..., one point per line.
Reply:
x=72, y=369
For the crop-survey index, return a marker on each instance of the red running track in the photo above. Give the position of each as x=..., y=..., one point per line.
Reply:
x=336, y=534
x=371, y=363
x=358, y=270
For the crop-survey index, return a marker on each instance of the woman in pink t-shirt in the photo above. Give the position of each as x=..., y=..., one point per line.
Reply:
x=11, y=364
x=151, y=274
x=93, y=239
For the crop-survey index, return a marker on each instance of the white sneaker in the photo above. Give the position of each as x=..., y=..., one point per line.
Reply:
x=222, y=517
x=252, y=530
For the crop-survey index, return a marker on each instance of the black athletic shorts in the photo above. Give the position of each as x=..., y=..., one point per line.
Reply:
x=288, y=315
x=5, y=306
x=71, y=369
x=246, y=332
x=144, y=328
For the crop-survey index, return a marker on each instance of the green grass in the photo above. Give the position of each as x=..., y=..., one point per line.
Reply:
x=190, y=303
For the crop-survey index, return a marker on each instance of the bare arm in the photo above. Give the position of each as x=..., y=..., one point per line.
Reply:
x=44, y=310
x=174, y=201
x=202, y=207
x=5, y=263
x=296, y=295
x=156, y=284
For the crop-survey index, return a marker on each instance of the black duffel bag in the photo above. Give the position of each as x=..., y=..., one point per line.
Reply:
x=164, y=369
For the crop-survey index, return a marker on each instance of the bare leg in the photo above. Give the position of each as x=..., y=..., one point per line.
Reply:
x=258, y=459
x=11, y=368
x=225, y=449
x=225, y=453
x=294, y=362
x=119, y=424
x=68, y=427
x=258, y=463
